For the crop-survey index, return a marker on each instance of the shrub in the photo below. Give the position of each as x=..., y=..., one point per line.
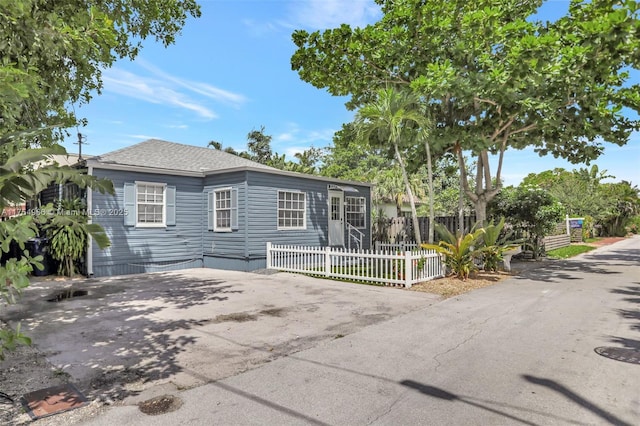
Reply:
x=459, y=250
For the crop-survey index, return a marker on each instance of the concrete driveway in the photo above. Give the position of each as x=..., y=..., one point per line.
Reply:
x=522, y=352
x=185, y=328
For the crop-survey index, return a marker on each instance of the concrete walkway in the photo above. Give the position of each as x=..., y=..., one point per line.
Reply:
x=520, y=352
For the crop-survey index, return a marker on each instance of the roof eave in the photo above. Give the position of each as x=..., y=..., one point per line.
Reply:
x=287, y=173
x=126, y=167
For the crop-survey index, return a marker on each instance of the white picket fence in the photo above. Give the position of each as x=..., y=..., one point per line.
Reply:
x=390, y=268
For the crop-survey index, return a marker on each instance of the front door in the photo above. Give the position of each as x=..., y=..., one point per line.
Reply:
x=336, y=218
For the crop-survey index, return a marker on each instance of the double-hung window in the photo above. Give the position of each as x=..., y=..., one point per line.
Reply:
x=222, y=211
x=146, y=205
x=292, y=207
x=150, y=204
x=356, y=211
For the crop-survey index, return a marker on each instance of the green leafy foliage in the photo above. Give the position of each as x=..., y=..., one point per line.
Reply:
x=607, y=207
x=10, y=339
x=495, y=242
x=459, y=250
x=259, y=150
x=19, y=181
x=54, y=53
x=393, y=116
x=533, y=211
x=493, y=76
x=68, y=232
x=14, y=273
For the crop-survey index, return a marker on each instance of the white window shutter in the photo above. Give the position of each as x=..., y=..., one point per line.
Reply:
x=234, y=208
x=130, y=204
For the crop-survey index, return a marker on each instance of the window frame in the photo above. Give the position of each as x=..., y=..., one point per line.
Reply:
x=217, y=228
x=162, y=224
x=363, y=212
x=303, y=210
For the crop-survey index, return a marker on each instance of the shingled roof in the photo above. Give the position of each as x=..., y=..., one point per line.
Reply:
x=159, y=154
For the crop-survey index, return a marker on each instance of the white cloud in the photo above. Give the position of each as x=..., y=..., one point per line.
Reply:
x=290, y=135
x=293, y=150
x=260, y=29
x=323, y=14
x=177, y=126
x=285, y=137
x=321, y=135
x=295, y=134
x=151, y=90
x=163, y=88
x=142, y=137
x=203, y=89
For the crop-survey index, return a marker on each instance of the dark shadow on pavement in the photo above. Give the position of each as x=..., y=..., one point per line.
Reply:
x=629, y=311
x=435, y=392
x=574, y=397
x=130, y=340
x=549, y=270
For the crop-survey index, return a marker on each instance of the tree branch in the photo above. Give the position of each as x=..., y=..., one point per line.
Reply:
x=486, y=168
x=463, y=173
x=524, y=129
x=503, y=148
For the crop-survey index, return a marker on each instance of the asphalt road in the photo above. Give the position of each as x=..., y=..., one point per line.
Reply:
x=520, y=352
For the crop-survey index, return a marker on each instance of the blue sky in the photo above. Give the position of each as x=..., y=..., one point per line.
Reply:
x=229, y=72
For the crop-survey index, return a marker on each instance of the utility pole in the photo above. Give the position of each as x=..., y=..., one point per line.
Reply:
x=81, y=139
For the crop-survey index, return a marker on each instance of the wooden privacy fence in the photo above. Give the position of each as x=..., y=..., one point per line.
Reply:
x=552, y=242
x=401, y=228
x=401, y=246
x=389, y=268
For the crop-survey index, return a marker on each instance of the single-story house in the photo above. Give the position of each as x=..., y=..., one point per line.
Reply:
x=179, y=206
x=389, y=209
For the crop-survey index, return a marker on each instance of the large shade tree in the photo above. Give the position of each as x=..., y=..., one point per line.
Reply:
x=54, y=53
x=494, y=76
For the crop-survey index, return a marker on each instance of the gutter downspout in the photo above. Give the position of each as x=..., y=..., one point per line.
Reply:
x=89, y=258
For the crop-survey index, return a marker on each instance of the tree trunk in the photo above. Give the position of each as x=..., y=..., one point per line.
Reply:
x=461, y=207
x=481, y=210
x=483, y=193
x=432, y=215
x=414, y=214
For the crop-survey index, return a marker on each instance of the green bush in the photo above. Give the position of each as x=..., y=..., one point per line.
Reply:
x=459, y=250
x=68, y=234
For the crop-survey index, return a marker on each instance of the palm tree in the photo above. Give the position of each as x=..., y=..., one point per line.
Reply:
x=392, y=116
x=389, y=186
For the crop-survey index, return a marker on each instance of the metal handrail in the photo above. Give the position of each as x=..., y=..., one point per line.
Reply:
x=357, y=238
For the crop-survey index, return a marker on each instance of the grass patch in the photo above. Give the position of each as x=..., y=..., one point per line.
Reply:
x=592, y=240
x=568, y=251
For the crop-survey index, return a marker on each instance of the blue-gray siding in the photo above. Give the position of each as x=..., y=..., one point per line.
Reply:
x=226, y=245
x=259, y=222
x=190, y=243
x=135, y=250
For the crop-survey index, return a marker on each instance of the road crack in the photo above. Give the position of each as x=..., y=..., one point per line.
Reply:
x=435, y=357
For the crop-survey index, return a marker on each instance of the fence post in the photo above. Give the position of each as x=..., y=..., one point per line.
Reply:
x=327, y=261
x=408, y=269
x=269, y=255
